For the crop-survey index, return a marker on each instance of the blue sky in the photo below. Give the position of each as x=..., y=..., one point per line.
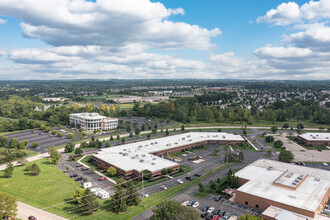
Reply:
x=255, y=39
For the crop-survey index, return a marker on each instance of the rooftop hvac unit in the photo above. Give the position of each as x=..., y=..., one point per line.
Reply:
x=293, y=196
x=152, y=143
x=154, y=158
x=296, y=180
x=152, y=163
x=317, y=179
x=140, y=146
x=133, y=157
x=124, y=149
x=294, y=183
x=223, y=136
x=327, y=138
x=156, y=142
x=143, y=155
x=189, y=136
x=176, y=142
x=141, y=161
x=120, y=152
x=146, y=145
x=269, y=168
x=183, y=139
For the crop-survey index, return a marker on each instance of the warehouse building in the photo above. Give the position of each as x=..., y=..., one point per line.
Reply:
x=131, y=159
x=283, y=189
x=316, y=139
x=93, y=121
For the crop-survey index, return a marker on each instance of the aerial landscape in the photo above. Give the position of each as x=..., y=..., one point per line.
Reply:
x=164, y=110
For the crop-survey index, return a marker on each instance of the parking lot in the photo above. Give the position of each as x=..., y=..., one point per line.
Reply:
x=76, y=168
x=43, y=138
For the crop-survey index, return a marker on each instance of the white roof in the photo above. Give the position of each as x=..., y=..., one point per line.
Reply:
x=262, y=173
x=138, y=156
x=316, y=136
x=87, y=115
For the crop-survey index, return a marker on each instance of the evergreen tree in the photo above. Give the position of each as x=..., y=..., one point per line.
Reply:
x=9, y=170
x=89, y=203
x=119, y=201
x=35, y=170
x=132, y=193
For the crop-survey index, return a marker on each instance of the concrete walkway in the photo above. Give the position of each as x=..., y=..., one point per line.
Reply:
x=25, y=210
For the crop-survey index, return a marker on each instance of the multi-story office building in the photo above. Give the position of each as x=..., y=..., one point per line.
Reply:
x=93, y=121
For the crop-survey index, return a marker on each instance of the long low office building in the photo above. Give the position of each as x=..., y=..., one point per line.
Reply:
x=283, y=189
x=316, y=139
x=131, y=159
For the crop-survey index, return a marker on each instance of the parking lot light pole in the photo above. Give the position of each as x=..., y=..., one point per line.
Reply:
x=142, y=189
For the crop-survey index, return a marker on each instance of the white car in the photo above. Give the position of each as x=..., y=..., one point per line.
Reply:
x=146, y=194
x=163, y=187
x=179, y=181
x=195, y=205
x=211, y=209
x=325, y=164
x=184, y=155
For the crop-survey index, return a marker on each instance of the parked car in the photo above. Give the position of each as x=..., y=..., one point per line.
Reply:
x=40, y=133
x=302, y=164
x=179, y=181
x=146, y=194
x=209, y=216
x=204, y=214
x=184, y=155
x=102, y=178
x=227, y=215
x=211, y=209
x=221, y=213
x=79, y=165
x=205, y=208
x=325, y=164
x=74, y=175
x=216, y=212
x=32, y=131
x=195, y=205
x=319, y=150
x=163, y=187
x=85, y=168
x=218, y=198
x=197, y=174
x=32, y=218
x=188, y=177
x=191, y=203
x=215, y=217
x=79, y=178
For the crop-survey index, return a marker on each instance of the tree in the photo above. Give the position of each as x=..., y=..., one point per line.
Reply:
x=89, y=203
x=35, y=170
x=22, y=161
x=35, y=145
x=69, y=147
x=154, y=131
x=146, y=174
x=111, y=138
x=171, y=209
x=78, y=194
x=148, y=136
x=9, y=170
x=13, y=142
x=182, y=127
x=300, y=126
x=132, y=193
x=60, y=134
x=278, y=144
x=137, y=131
x=219, y=130
x=8, y=206
x=167, y=132
x=164, y=171
x=123, y=140
x=72, y=137
x=112, y=171
x=286, y=156
x=3, y=141
x=274, y=129
x=201, y=187
x=79, y=150
x=23, y=145
x=244, y=131
x=118, y=201
x=131, y=135
x=143, y=127
x=241, y=156
x=213, y=185
x=285, y=126
x=269, y=139
x=118, y=137
x=54, y=132
x=54, y=154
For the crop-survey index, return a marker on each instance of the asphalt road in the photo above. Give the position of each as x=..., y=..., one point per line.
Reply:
x=25, y=210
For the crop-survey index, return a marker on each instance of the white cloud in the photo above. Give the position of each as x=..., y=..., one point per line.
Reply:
x=282, y=52
x=3, y=21
x=284, y=14
x=106, y=23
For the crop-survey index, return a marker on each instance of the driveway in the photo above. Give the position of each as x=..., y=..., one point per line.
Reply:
x=25, y=210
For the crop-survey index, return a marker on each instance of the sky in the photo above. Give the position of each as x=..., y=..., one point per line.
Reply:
x=169, y=39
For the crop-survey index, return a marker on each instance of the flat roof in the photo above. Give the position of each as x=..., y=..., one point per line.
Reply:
x=86, y=115
x=316, y=136
x=263, y=173
x=138, y=156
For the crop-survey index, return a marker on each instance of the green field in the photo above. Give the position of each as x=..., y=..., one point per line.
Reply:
x=51, y=187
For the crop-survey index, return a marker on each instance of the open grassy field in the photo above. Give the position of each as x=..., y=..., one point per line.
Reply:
x=49, y=188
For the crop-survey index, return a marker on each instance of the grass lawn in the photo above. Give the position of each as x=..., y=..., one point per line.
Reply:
x=248, y=147
x=51, y=187
x=147, y=183
x=306, y=146
x=185, y=168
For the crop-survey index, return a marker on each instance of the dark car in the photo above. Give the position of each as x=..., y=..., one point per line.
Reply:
x=79, y=165
x=191, y=203
x=209, y=216
x=221, y=213
x=216, y=212
x=204, y=214
x=32, y=218
x=74, y=175
x=85, y=168
x=188, y=177
x=204, y=209
x=197, y=174
x=218, y=198
x=78, y=179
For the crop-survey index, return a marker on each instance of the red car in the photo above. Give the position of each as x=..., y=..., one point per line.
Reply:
x=32, y=131
x=102, y=178
x=32, y=218
x=215, y=217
